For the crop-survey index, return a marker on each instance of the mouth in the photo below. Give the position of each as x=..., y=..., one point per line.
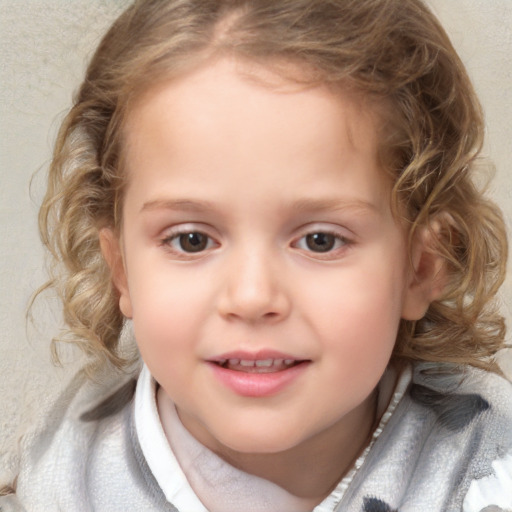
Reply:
x=268, y=365
x=258, y=375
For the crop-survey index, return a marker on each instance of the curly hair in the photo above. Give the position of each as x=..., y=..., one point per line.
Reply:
x=392, y=50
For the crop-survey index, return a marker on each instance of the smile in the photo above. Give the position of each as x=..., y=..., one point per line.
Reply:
x=257, y=365
x=264, y=374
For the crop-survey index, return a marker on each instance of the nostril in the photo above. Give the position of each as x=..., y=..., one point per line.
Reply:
x=252, y=304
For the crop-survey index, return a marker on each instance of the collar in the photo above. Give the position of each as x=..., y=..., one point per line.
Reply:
x=157, y=452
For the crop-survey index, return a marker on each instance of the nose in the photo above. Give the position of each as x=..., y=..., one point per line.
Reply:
x=254, y=289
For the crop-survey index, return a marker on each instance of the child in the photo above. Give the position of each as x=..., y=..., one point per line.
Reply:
x=279, y=196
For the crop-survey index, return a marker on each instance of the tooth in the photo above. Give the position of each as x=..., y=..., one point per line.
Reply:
x=266, y=363
x=278, y=362
x=234, y=362
x=289, y=361
x=221, y=362
x=246, y=362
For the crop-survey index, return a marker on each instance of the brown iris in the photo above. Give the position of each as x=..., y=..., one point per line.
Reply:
x=193, y=242
x=320, y=242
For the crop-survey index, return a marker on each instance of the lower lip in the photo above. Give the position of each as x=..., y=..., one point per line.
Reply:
x=257, y=385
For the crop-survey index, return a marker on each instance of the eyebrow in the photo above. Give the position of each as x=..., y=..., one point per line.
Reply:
x=319, y=205
x=191, y=205
x=301, y=205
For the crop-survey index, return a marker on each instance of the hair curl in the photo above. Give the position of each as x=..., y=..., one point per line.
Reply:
x=392, y=50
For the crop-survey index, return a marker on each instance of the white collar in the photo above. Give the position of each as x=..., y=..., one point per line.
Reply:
x=157, y=452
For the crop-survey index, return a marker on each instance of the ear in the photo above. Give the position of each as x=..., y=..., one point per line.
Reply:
x=428, y=275
x=111, y=251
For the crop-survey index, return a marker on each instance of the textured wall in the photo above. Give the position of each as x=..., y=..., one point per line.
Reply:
x=44, y=45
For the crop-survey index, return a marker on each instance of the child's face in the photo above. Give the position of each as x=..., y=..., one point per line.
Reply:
x=264, y=272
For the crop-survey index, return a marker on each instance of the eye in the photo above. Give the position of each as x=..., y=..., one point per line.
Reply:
x=189, y=242
x=321, y=242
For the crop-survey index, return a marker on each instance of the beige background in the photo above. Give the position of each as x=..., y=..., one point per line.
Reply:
x=44, y=45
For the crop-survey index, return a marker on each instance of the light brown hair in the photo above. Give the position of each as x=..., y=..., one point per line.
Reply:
x=394, y=51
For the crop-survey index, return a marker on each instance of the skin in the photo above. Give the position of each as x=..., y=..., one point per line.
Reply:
x=256, y=166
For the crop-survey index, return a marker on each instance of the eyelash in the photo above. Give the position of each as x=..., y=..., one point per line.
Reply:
x=340, y=243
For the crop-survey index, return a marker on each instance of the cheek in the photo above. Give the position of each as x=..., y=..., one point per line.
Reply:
x=359, y=332
x=169, y=309
x=358, y=311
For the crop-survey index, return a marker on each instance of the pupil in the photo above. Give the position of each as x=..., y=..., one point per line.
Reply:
x=320, y=242
x=193, y=242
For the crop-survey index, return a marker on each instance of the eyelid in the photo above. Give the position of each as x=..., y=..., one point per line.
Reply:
x=187, y=227
x=325, y=227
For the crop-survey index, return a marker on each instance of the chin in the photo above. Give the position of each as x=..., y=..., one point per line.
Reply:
x=256, y=443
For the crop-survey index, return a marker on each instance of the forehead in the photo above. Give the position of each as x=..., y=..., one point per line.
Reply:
x=232, y=88
x=253, y=121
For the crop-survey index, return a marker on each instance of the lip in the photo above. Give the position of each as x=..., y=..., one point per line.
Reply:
x=257, y=384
